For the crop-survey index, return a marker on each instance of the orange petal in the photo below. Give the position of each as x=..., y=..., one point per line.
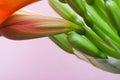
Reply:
x=7, y=7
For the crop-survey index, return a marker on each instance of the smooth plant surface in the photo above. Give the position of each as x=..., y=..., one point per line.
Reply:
x=95, y=38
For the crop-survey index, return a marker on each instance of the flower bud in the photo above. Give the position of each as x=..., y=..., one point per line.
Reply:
x=28, y=26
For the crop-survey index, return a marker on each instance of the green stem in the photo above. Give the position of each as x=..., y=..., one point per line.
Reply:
x=101, y=44
x=64, y=11
x=99, y=7
x=62, y=42
x=84, y=45
x=113, y=11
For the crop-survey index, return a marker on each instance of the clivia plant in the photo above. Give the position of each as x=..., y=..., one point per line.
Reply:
x=95, y=38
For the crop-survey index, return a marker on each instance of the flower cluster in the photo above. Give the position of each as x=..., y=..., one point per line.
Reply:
x=95, y=38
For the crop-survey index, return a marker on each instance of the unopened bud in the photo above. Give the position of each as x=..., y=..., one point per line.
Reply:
x=20, y=27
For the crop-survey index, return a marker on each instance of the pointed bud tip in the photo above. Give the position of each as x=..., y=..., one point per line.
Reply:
x=21, y=27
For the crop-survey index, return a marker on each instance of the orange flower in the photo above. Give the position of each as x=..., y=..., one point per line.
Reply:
x=7, y=7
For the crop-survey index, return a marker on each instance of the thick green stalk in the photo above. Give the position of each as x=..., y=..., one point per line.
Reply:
x=99, y=7
x=62, y=42
x=64, y=10
x=98, y=30
x=107, y=39
x=84, y=45
x=89, y=32
x=102, y=25
x=101, y=44
x=97, y=4
x=91, y=17
x=113, y=11
x=61, y=39
x=78, y=6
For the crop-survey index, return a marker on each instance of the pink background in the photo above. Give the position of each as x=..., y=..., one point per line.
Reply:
x=41, y=59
